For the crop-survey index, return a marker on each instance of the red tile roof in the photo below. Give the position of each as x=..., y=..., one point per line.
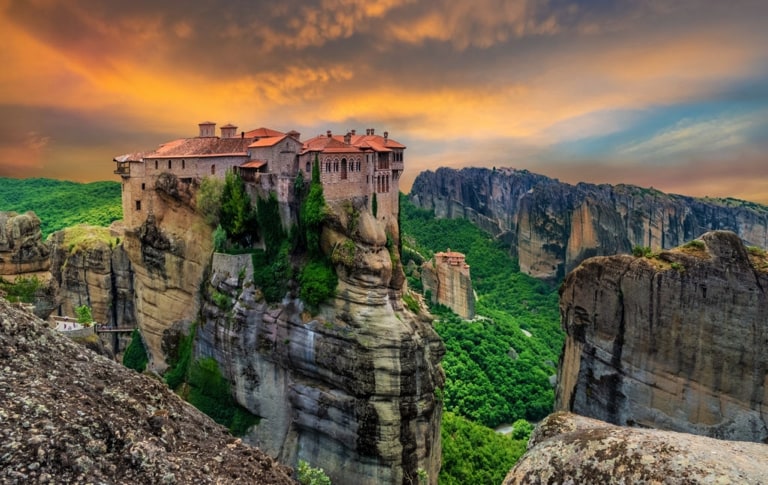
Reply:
x=129, y=157
x=263, y=133
x=267, y=142
x=202, y=147
x=254, y=164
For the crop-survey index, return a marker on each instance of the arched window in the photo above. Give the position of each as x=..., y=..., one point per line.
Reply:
x=308, y=168
x=213, y=169
x=343, y=169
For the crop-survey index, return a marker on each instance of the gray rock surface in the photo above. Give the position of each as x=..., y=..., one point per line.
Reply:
x=70, y=416
x=553, y=226
x=22, y=249
x=570, y=449
x=675, y=341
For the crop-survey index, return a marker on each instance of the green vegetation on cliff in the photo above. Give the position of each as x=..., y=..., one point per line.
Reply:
x=495, y=372
x=60, y=203
x=22, y=289
x=135, y=356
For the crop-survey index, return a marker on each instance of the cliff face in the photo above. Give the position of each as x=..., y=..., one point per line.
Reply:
x=169, y=254
x=566, y=448
x=70, y=416
x=351, y=390
x=553, y=226
x=92, y=268
x=674, y=342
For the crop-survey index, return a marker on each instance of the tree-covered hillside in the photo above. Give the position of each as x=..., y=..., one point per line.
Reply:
x=497, y=366
x=60, y=203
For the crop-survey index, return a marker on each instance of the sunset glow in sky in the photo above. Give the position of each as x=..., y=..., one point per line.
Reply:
x=665, y=93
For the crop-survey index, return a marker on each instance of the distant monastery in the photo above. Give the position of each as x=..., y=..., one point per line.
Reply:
x=351, y=165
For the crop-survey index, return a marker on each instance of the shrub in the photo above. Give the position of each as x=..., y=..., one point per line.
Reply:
x=311, y=476
x=268, y=217
x=210, y=392
x=84, y=315
x=219, y=239
x=209, y=199
x=178, y=365
x=271, y=274
x=237, y=217
x=135, y=356
x=410, y=302
x=22, y=290
x=318, y=282
x=695, y=244
x=642, y=252
x=374, y=205
x=756, y=250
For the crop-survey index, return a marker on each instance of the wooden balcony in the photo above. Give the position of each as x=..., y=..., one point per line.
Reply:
x=123, y=169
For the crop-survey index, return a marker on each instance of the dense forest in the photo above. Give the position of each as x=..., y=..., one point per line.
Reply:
x=498, y=366
x=60, y=203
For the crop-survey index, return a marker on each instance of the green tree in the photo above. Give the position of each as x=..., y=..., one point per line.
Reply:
x=313, y=212
x=135, y=356
x=237, y=217
x=209, y=199
x=374, y=205
x=84, y=315
x=318, y=282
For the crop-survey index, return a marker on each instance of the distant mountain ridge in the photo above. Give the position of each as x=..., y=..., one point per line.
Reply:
x=552, y=226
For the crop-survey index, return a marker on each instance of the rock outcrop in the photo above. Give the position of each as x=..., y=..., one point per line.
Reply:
x=92, y=268
x=22, y=249
x=169, y=254
x=352, y=389
x=71, y=416
x=570, y=449
x=446, y=277
x=673, y=341
x=553, y=226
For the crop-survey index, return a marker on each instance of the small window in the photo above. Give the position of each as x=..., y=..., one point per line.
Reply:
x=138, y=205
x=308, y=167
x=155, y=164
x=213, y=169
x=183, y=165
x=143, y=186
x=169, y=164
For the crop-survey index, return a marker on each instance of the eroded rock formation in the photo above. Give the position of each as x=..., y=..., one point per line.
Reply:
x=552, y=226
x=71, y=416
x=446, y=277
x=674, y=341
x=351, y=389
x=22, y=249
x=569, y=449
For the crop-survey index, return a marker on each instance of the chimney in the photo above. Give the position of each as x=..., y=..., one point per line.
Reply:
x=373, y=132
x=228, y=131
x=294, y=134
x=242, y=134
x=386, y=135
x=207, y=129
x=328, y=133
x=348, y=138
x=353, y=132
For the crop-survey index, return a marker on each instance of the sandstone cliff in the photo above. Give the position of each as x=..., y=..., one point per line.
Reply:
x=352, y=389
x=71, y=416
x=92, y=268
x=673, y=341
x=446, y=277
x=566, y=448
x=552, y=226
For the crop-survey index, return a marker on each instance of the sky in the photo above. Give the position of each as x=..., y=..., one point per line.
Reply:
x=670, y=94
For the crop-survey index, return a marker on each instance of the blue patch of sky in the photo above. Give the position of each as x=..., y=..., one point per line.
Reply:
x=643, y=125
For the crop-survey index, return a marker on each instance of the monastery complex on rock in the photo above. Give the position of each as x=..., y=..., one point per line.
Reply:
x=351, y=165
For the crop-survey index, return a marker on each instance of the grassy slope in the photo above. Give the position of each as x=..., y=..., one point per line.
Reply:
x=60, y=203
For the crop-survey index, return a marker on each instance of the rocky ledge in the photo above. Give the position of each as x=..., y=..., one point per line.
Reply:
x=569, y=449
x=71, y=416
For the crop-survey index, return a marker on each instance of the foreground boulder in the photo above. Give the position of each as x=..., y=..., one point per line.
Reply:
x=672, y=341
x=570, y=449
x=70, y=416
